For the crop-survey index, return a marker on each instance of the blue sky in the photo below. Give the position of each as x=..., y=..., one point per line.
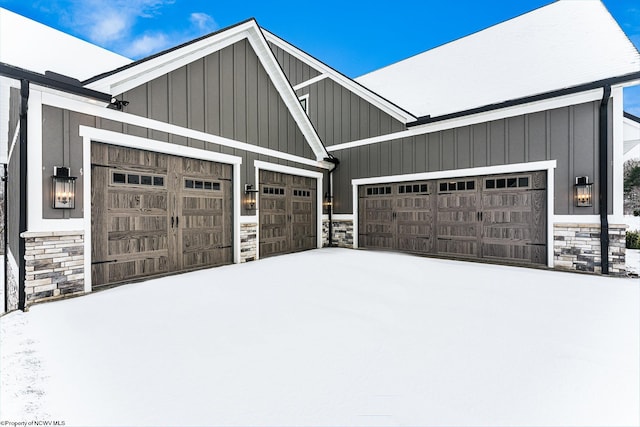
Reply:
x=352, y=37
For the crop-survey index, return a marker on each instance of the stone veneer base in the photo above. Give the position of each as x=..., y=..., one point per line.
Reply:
x=54, y=265
x=577, y=247
x=248, y=241
x=342, y=233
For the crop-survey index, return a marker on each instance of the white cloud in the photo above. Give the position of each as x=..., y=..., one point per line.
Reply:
x=106, y=23
x=203, y=22
x=146, y=45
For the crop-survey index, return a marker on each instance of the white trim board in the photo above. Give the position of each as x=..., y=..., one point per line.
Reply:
x=260, y=165
x=309, y=82
x=547, y=165
x=124, y=140
x=533, y=107
x=358, y=89
x=90, y=135
x=458, y=173
x=119, y=116
x=146, y=71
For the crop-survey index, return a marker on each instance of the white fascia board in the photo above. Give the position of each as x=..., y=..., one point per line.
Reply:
x=148, y=70
x=120, y=116
x=533, y=107
x=366, y=94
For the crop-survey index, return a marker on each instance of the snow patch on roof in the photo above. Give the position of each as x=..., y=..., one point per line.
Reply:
x=561, y=45
x=31, y=45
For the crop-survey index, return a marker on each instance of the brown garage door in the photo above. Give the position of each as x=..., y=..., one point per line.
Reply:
x=287, y=213
x=397, y=216
x=501, y=218
x=155, y=214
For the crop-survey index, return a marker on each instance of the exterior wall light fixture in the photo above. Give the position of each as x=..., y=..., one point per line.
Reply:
x=249, y=197
x=63, y=188
x=582, y=192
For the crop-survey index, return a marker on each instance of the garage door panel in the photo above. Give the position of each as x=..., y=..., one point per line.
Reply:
x=458, y=247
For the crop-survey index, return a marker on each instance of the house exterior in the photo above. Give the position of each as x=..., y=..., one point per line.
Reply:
x=238, y=146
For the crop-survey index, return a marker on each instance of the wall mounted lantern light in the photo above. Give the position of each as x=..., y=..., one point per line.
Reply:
x=64, y=188
x=249, y=197
x=328, y=201
x=583, y=195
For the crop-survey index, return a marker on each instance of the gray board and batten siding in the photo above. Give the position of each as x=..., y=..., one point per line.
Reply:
x=227, y=93
x=338, y=114
x=295, y=70
x=568, y=135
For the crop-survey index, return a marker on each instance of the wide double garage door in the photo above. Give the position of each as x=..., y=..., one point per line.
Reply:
x=499, y=217
x=155, y=214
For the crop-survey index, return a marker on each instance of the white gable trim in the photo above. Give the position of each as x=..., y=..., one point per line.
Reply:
x=309, y=82
x=366, y=94
x=146, y=71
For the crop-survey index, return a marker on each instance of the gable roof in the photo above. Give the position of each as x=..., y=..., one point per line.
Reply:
x=326, y=71
x=39, y=48
x=150, y=68
x=561, y=45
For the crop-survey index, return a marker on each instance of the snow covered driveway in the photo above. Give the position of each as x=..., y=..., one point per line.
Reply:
x=332, y=337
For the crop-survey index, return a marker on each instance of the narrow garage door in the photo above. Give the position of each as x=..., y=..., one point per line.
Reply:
x=501, y=218
x=287, y=208
x=155, y=214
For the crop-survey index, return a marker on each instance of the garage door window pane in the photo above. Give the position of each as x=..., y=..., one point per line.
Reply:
x=119, y=178
x=523, y=181
x=133, y=179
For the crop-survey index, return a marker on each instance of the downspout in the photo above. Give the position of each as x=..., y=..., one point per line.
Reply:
x=329, y=197
x=22, y=222
x=604, y=178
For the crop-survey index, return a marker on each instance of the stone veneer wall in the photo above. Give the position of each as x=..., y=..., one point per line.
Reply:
x=248, y=242
x=342, y=233
x=577, y=247
x=54, y=265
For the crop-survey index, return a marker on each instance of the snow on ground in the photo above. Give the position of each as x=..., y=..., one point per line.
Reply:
x=332, y=337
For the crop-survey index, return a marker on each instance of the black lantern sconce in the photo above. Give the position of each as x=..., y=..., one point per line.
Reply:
x=582, y=192
x=249, y=197
x=63, y=188
x=328, y=202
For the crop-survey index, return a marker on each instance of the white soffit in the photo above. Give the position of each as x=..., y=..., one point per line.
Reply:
x=33, y=46
x=146, y=70
x=564, y=44
x=363, y=92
